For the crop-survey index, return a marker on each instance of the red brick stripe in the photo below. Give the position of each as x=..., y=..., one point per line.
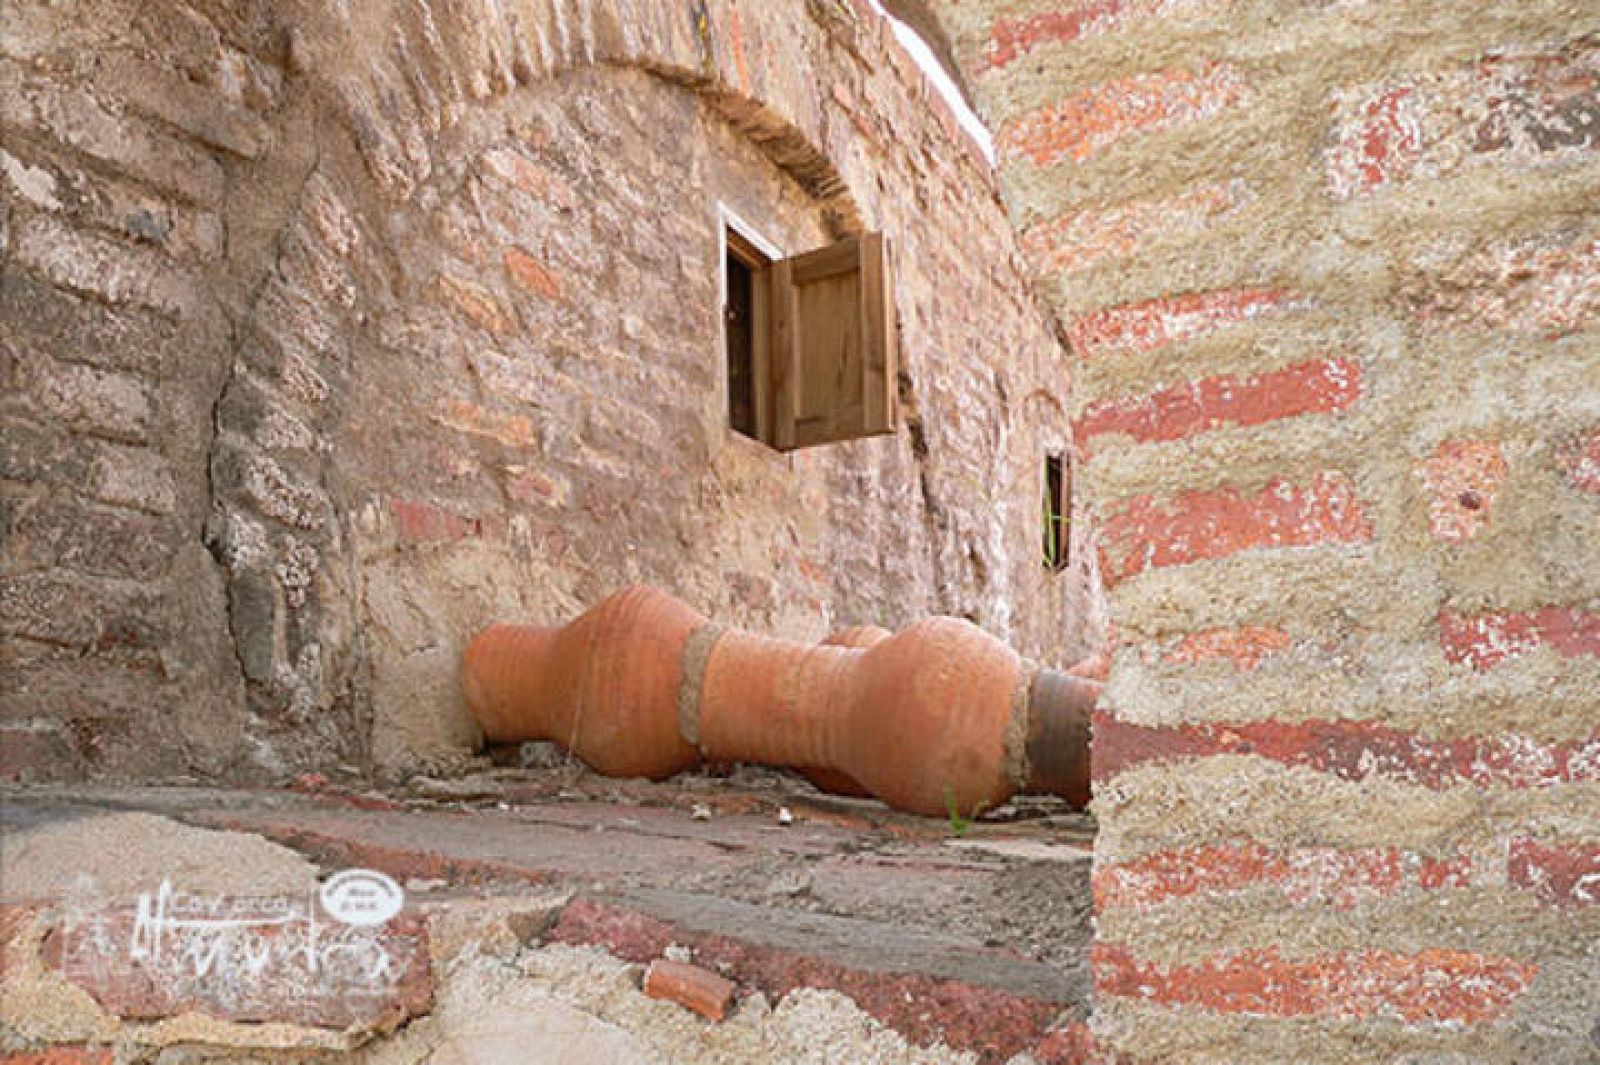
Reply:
x=1562, y=874
x=1098, y=117
x=1354, y=750
x=1215, y=523
x=1435, y=986
x=1012, y=38
x=1078, y=240
x=1135, y=328
x=1486, y=640
x=1316, y=387
x=1245, y=647
x=997, y=1024
x=417, y=521
x=1340, y=877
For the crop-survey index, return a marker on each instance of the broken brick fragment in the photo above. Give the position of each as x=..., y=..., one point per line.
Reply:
x=690, y=986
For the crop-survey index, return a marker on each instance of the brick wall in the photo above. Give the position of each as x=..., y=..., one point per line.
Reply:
x=1331, y=276
x=333, y=332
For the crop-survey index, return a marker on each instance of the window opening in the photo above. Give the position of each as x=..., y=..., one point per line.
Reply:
x=1057, y=512
x=811, y=345
x=742, y=265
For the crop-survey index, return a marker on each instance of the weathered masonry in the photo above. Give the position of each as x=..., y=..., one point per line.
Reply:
x=333, y=332
x=1331, y=277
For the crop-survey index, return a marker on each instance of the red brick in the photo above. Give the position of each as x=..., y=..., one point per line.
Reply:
x=512, y=430
x=530, y=486
x=1486, y=640
x=418, y=522
x=1098, y=117
x=526, y=271
x=1082, y=239
x=1012, y=38
x=1562, y=874
x=1432, y=987
x=1216, y=523
x=1380, y=143
x=1463, y=477
x=1317, y=387
x=537, y=180
x=476, y=303
x=1245, y=647
x=1306, y=875
x=1583, y=463
x=1354, y=750
x=1135, y=328
x=1071, y=1044
x=922, y=1007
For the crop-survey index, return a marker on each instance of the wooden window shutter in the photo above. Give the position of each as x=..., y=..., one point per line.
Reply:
x=831, y=344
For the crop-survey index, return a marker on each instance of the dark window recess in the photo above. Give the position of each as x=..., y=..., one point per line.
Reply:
x=812, y=348
x=739, y=316
x=1057, y=512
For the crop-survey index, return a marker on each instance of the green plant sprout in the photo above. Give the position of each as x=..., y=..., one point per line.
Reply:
x=959, y=824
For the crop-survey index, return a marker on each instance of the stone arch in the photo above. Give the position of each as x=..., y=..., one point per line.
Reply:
x=286, y=522
x=449, y=58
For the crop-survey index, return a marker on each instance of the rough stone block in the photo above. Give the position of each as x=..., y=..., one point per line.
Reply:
x=135, y=477
x=198, y=110
x=40, y=316
x=78, y=119
x=107, y=269
x=101, y=402
x=60, y=530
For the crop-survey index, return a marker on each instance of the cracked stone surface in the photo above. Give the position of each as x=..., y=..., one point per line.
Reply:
x=853, y=923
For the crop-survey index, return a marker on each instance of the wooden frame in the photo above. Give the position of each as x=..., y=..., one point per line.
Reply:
x=823, y=347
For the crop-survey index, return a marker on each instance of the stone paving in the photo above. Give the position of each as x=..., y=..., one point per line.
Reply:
x=919, y=934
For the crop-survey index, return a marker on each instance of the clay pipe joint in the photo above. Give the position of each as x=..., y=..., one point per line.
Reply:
x=928, y=720
x=605, y=686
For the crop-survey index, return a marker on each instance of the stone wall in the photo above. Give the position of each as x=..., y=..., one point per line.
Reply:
x=1331, y=275
x=333, y=332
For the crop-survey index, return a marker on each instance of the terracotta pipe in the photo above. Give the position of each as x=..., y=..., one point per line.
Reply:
x=604, y=686
x=928, y=720
x=938, y=718
x=837, y=781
